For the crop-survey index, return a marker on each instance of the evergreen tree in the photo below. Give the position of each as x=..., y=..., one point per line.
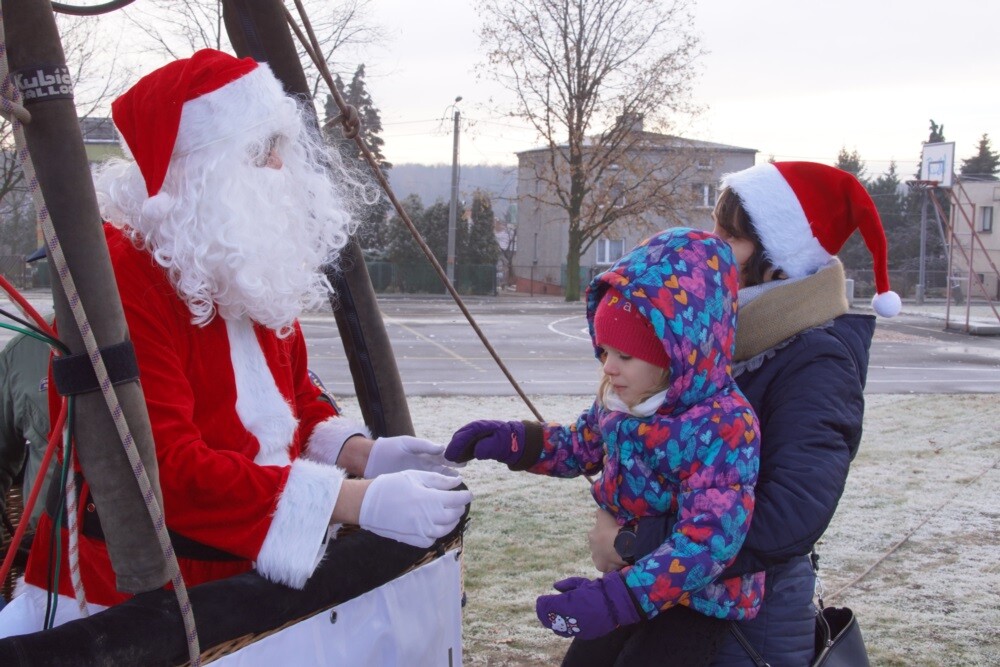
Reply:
x=432, y=224
x=461, y=235
x=984, y=164
x=434, y=228
x=854, y=254
x=936, y=136
x=937, y=133
x=400, y=247
x=851, y=163
x=902, y=235
x=481, y=245
x=372, y=232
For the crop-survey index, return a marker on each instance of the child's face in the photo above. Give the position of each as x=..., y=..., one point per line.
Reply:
x=632, y=378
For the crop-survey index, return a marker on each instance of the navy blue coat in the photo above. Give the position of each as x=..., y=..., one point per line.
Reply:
x=808, y=398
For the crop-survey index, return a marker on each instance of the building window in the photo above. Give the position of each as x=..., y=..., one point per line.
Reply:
x=986, y=219
x=609, y=250
x=704, y=195
x=613, y=188
x=616, y=194
x=704, y=164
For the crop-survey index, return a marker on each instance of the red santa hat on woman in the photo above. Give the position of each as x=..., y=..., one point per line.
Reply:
x=192, y=103
x=804, y=212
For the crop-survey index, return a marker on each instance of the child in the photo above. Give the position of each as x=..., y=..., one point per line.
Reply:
x=675, y=439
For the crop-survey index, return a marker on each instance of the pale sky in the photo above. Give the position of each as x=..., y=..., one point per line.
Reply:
x=796, y=79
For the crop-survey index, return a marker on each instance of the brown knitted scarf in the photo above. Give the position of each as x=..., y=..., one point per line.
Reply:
x=784, y=311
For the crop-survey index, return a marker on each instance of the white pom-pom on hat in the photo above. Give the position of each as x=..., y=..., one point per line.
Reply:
x=887, y=304
x=157, y=207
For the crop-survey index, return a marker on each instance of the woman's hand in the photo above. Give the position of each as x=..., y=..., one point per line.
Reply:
x=602, y=542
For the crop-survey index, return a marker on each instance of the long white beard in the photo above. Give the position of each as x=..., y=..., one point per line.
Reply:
x=261, y=257
x=241, y=240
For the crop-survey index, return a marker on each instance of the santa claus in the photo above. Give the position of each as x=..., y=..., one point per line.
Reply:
x=217, y=231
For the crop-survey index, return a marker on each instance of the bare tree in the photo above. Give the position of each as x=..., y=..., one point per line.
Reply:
x=98, y=77
x=507, y=240
x=176, y=28
x=575, y=66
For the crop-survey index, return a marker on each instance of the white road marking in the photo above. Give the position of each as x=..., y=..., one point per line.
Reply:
x=552, y=328
x=450, y=353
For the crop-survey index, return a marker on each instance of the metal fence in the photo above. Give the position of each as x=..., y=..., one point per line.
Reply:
x=15, y=270
x=547, y=279
x=550, y=280
x=421, y=278
x=540, y=279
x=904, y=283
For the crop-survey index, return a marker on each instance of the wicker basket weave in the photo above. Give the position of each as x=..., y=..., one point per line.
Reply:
x=15, y=508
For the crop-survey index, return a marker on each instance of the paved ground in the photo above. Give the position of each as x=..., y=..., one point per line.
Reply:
x=544, y=343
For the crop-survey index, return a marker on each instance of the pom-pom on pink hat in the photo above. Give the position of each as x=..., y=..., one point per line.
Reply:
x=190, y=103
x=804, y=212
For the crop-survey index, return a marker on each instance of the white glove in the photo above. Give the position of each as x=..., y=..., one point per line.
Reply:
x=404, y=452
x=413, y=506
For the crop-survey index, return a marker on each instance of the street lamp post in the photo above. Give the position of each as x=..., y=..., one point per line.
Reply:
x=453, y=206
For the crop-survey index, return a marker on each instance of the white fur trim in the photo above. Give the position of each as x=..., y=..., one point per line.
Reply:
x=778, y=217
x=259, y=404
x=251, y=101
x=328, y=438
x=296, y=541
x=887, y=304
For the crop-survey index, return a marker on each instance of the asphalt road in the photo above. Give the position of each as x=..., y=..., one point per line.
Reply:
x=547, y=350
x=544, y=344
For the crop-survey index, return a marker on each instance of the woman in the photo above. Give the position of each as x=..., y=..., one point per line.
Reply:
x=801, y=359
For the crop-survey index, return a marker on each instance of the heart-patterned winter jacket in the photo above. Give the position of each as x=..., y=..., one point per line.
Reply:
x=696, y=457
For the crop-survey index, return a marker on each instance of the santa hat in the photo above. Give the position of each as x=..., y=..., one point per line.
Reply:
x=191, y=103
x=618, y=323
x=804, y=212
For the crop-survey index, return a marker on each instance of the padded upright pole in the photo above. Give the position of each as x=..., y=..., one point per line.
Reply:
x=258, y=28
x=55, y=143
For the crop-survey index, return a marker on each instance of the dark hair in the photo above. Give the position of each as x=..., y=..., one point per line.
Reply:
x=735, y=221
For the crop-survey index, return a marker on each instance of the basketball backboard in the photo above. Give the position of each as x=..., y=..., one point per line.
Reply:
x=937, y=163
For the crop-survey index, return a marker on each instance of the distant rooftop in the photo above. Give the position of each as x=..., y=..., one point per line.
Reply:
x=655, y=140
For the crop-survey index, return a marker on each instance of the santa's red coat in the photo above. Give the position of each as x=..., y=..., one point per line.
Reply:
x=245, y=445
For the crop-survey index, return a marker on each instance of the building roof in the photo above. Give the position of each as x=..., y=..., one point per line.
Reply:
x=655, y=140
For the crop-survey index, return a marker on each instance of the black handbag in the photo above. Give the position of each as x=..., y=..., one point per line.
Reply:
x=838, y=637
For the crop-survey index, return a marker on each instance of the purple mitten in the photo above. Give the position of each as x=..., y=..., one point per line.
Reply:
x=487, y=439
x=587, y=608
